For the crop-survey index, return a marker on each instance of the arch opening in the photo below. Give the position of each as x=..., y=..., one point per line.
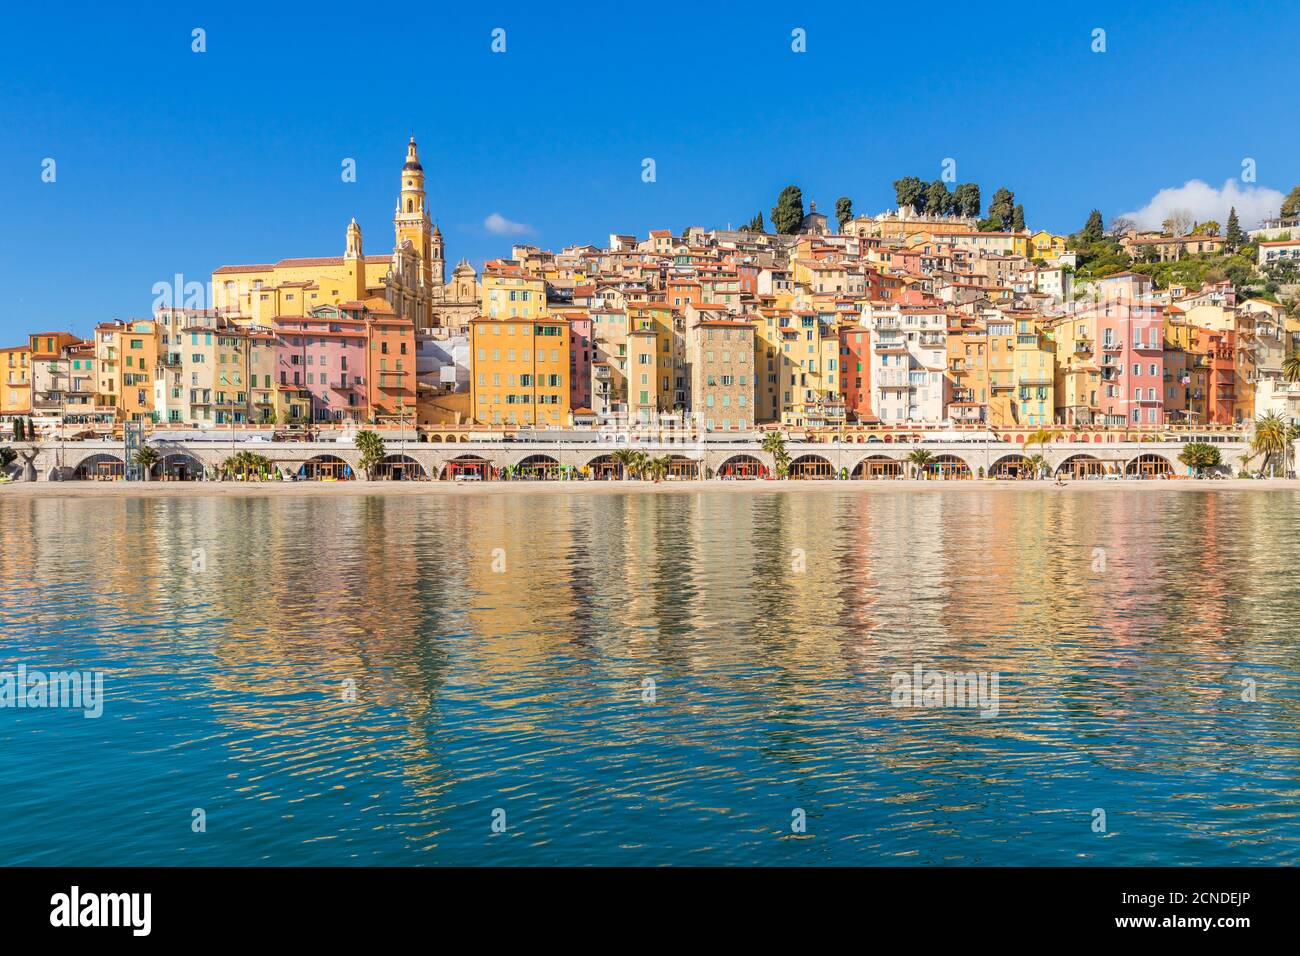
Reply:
x=325, y=468
x=742, y=468
x=1149, y=466
x=876, y=467
x=468, y=468
x=811, y=467
x=1081, y=468
x=399, y=468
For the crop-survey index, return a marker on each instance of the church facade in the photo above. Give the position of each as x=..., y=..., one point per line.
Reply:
x=411, y=280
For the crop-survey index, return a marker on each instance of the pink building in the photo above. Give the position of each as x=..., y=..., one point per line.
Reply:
x=325, y=355
x=1129, y=332
x=580, y=362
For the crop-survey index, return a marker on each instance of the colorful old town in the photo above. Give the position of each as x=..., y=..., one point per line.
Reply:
x=949, y=335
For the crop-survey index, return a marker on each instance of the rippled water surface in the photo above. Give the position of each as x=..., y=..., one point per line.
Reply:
x=1121, y=625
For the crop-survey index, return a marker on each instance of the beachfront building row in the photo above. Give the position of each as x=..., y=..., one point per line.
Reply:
x=1126, y=358
x=902, y=317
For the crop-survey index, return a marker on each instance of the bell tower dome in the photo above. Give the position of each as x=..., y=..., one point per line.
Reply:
x=411, y=221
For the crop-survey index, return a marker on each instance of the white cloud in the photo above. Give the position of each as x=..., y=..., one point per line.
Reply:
x=499, y=225
x=1204, y=202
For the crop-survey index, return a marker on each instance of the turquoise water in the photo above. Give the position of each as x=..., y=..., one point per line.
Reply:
x=1121, y=625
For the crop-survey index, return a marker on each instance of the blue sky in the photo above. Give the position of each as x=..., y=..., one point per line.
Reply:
x=172, y=162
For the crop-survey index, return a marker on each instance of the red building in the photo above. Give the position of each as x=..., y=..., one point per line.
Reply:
x=1221, y=383
x=855, y=373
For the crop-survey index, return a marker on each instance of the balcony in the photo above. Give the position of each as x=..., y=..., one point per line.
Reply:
x=1082, y=346
x=1111, y=347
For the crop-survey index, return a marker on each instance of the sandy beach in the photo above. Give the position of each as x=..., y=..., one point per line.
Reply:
x=239, y=489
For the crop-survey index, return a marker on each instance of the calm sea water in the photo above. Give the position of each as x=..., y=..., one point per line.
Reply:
x=770, y=623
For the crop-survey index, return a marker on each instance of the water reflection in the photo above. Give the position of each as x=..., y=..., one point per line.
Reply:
x=499, y=648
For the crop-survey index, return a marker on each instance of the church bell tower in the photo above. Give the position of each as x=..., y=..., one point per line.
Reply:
x=412, y=219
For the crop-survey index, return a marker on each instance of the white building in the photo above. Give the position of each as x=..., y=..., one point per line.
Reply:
x=908, y=355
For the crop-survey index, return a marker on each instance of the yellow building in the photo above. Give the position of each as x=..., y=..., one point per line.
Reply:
x=410, y=279
x=968, y=370
x=642, y=378
x=809, y=392
x=1187, y=370
x=519, y=371
x=1033, y=402
x=16, y=393
x=769, y=362
x=667, y=372
x=509, y=292
x=1043, y=245
x=126, y=355
x=1001, y=340
x=1077, y=376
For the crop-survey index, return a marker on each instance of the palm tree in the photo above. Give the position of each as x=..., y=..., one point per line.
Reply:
x=1199, y=455
x=774, y=445
x=246, y=462
x=146, y=457
x=658, y=467
x=1291, y=367
x=640, y=461
x=1042, y=438
x=1039, y=464
x=259, y=464
x=920, y=459
x=1270, y=439
x=371, y=447
x=625, y=457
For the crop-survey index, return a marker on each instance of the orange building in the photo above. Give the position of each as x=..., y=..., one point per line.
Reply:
x=125, y=356
x=391, y=372
x=520, y=371
x=855, y=373
x=1219, y=346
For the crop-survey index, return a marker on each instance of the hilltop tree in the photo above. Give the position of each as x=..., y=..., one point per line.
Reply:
x=967, y=197
x=1018, y=218
x=1092, y=230
x=1234, y=234
x=754, y=225
x=910, y=191
x=1208, y=228
x=844, y=211
x=787, y=214
x=1291, y=205
x=1121, y=225
x=1179, y=223
x=1001, y=211
x=938, y=201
